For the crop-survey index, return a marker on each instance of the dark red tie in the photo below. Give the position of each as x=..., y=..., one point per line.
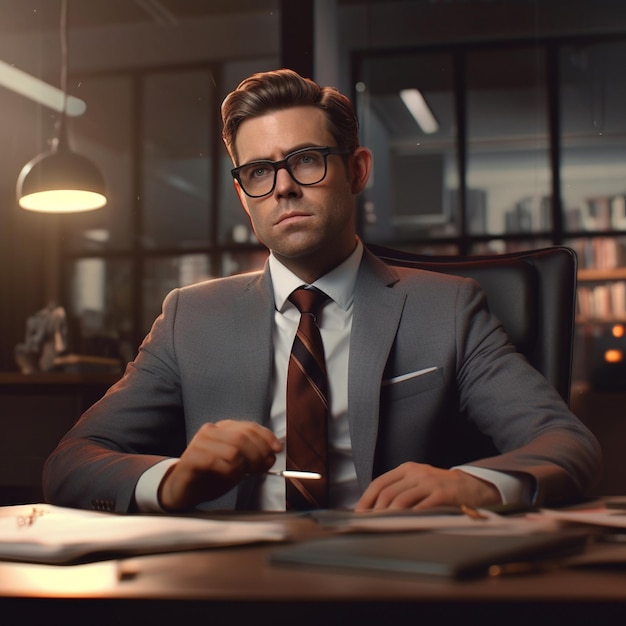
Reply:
x=307, y=406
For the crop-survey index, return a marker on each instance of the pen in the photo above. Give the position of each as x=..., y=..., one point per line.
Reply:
x=296, y=474
x=472, y=512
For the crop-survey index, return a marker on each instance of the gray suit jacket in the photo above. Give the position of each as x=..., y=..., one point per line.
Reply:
x=428, y=364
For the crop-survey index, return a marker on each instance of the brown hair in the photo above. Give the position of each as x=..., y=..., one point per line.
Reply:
x=280, y=89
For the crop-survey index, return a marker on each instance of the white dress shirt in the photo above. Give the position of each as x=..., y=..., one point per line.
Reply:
x=335, y=322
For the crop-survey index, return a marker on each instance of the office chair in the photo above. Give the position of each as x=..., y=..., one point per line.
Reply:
x=533, y=294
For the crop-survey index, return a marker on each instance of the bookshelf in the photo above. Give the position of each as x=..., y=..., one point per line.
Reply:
x=600, y=338
x=601, y=281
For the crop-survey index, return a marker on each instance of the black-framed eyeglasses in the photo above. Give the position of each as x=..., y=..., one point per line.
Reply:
x=307, y=166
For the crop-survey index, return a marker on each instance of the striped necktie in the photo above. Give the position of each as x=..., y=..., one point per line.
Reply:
x=307, y=406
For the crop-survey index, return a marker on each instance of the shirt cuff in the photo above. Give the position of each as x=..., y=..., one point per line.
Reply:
x=147, y=487
x=513, y=489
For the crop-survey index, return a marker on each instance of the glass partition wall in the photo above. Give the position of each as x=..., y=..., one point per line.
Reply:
x=478, y=149
x=172, y=218
x=409, y=119
x=504, y=146
x=592, y=173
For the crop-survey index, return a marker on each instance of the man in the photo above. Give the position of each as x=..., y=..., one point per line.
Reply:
x=413, y=357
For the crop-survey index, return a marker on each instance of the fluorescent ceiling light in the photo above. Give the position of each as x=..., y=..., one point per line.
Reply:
x=26, y=85
x=415, y=103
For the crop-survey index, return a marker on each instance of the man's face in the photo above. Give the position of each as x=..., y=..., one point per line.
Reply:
x=309, y=228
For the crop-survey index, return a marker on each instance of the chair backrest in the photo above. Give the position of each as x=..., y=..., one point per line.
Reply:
x=533, y=294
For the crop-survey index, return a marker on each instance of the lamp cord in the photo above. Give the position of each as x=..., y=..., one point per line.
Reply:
x=61, y=134
x=63, y=36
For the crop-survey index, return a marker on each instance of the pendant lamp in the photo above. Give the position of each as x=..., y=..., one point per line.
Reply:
x=61, y=181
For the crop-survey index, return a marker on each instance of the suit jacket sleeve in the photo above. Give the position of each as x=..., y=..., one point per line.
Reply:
x=527, y=420
x=189, y=370
x=482, y=404
x=97, y=464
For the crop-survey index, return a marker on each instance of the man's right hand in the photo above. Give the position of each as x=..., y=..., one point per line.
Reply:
x=216, y=459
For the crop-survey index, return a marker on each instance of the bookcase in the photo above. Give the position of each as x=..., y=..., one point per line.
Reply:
x=600, y=342
x=602, y=273
x=602, y=295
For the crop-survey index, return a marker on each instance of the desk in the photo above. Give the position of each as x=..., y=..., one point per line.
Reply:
x=240, y=586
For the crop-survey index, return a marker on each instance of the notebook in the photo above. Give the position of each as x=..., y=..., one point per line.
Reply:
x=434, y=554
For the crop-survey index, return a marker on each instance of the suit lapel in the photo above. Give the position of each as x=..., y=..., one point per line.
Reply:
x=377, y=312
x=253, y=319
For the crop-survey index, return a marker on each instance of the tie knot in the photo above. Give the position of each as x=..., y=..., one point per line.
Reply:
x=308, y=300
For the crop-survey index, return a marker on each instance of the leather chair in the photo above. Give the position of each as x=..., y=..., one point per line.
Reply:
x=533, y=294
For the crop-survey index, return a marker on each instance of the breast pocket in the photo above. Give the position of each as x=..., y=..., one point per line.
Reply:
x=412, y=383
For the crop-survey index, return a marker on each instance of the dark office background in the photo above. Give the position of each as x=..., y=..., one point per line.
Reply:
x=529, y=151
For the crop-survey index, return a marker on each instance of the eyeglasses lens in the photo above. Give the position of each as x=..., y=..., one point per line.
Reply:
x=306, y=168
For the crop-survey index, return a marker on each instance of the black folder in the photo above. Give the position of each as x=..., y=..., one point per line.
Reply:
x=448, y=555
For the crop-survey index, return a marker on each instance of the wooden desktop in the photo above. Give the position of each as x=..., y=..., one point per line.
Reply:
x=239, y=585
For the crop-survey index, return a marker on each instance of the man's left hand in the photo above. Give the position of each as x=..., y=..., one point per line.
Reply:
x=419, y=486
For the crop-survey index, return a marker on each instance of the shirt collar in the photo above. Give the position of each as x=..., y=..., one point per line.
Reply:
x=338, y=284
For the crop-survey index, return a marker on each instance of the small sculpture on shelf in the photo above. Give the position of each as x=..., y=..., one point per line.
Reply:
x=46, y=338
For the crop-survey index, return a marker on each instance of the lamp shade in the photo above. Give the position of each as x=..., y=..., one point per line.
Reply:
x=60, y=181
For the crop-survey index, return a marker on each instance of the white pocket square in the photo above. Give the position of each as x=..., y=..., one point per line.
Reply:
x=403, y=377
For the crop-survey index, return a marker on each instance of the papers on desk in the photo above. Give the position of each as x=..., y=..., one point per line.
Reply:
x=604, y=517
x=446, y=543
x=56, y=535
x=439, y=519
x=41, y=533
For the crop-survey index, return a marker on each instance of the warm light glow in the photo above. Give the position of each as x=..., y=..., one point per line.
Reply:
x=60, y=181
x=54, y=581
x=37, y=90
x=613, y=356
x=417, y=106
x=63, y=201
x=618, y=330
